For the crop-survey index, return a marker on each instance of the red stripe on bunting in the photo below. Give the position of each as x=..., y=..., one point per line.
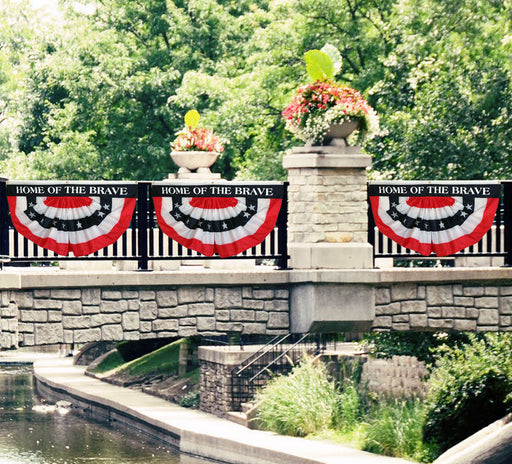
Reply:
x=78, y=249
x=224, y=250
x=440, y=249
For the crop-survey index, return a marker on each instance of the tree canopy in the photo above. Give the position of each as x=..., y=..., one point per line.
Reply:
x=101, y=92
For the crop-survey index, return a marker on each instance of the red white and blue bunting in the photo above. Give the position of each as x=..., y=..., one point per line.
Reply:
x=434, y=217
x=222, y=217
x=77, y=217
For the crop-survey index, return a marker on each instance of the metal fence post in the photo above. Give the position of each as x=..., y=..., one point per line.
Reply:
x=282, y=221
x=507, y=221
x=371, y=224
x=142, y=225
x=4, y=220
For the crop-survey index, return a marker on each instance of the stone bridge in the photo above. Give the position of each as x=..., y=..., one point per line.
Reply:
x=53, y=306
x=332, y=285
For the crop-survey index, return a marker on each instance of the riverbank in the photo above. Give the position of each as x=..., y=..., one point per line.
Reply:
x=194, y=433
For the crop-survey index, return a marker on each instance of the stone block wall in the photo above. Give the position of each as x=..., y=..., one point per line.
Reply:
x=215, y=388
x=216, y=365
x=8, y=322
x=456, y=306
x=327, y=206
x=81, y=315
x=398, y=377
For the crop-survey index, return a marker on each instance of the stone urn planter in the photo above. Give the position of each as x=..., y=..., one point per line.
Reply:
x=338, y=132
x=194, y=161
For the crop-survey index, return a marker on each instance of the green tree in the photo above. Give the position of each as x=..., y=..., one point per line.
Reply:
x=118, y=81
x=445, y=97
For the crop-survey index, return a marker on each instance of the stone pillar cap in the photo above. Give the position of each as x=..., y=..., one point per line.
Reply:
x=321, y=159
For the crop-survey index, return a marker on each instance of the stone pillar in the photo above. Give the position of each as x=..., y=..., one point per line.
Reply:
x=327, y=229
x=328, y=222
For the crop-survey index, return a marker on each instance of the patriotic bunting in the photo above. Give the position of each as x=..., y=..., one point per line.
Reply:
x=73, y=217
x=438, y=217
x=221, y=217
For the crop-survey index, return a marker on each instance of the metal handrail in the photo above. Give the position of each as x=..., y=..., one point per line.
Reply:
x=281, y=356
x=278, y=339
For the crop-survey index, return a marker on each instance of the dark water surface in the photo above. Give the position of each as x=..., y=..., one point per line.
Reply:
x=35, y=433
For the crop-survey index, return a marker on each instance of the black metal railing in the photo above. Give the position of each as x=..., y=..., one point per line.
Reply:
x=497, y=242
x=278, y=356
x=142, y=242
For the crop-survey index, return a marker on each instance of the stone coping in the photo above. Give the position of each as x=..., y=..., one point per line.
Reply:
x=19, y=280
x=199, y=434
x=231, y=355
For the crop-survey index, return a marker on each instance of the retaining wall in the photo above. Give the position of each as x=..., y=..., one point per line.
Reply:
x=460, y=306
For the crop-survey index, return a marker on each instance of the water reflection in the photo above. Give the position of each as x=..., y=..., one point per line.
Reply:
x=31, y=435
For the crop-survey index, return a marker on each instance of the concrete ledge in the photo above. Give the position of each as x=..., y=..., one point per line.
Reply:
x=77, y=279
x=226, y=355
x=331, y=255
x=328, y=149
x=16, y=280
x=196, y=433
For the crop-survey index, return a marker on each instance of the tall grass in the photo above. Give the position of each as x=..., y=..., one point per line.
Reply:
x=299, y=404
x=348, y=409
x=394, y=428
x=308, y=402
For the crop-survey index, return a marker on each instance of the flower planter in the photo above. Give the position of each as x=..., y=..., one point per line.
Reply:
x=342, y=130
x=194, y=161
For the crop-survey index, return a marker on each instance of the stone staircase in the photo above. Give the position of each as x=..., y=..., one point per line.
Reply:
x=246, y=416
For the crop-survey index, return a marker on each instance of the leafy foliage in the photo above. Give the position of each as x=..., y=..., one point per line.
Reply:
x=307, y=402
x=470, y=388
x=395, y=429
x=191, y=399
x=300, y=403
x=101, y=94
x=423, y=345
x=319, y=65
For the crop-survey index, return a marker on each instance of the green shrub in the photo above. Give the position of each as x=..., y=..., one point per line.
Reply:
x=191, y=399
x=470, y=388
x=348, y=409
x=419, y=344
x=298, y=404
x=395, y=429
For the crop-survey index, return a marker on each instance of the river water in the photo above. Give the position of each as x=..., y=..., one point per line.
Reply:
x=35, y=433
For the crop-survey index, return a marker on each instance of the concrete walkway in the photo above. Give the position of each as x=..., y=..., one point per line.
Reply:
x=199, y=434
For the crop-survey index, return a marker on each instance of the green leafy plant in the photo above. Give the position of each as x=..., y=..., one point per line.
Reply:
x=423, y=345
x=300, y=403
x=191, y=399
x=395, y=429
x=194, y=138
x=348, y=408
x=471, y=387
x=318, y=105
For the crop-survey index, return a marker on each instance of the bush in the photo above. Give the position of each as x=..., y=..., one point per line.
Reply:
x=470, y=388
x=191, y=399
x=395, y=429
x=419, y=344
x=301, y=403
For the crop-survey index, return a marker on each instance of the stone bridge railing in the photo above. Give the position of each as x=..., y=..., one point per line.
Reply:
x=71, y=307
x=332, y=285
